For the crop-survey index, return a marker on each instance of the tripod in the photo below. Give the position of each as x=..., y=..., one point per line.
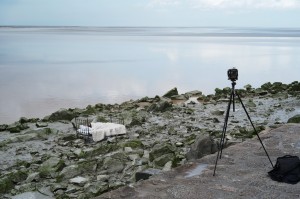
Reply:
x=222, y=141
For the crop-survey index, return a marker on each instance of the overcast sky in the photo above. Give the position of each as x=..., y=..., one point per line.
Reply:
x=244, y=13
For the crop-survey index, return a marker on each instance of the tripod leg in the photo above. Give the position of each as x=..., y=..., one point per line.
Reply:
x=254, y=129
x=222, y=142
x=220, y=147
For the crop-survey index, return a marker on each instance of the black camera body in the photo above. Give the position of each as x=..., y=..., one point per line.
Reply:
x=233, y=74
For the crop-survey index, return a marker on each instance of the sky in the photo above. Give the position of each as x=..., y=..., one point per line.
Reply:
x=240, y=13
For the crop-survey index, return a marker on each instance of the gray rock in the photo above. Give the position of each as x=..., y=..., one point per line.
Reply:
x=218, y=112
x=161, y=106
x=204, y=145
x=146, y=174
x=171, y=93
x=70, y=172
x=194, y=93
x=162, y=160
x=80, y=181
x=97, y=189
x=32, y=195
x=179, y=97
x=41, y=124
x=250, y=104
x=103, y=178
x=33, y=177
x=3, y=127
x=161, y=149
x=113, y=165
x=16, y=127
x=167, y=166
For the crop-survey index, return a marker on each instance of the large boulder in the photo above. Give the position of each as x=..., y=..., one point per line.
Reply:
x=204, y=145
x=161, y=106
x=194, y=93
x=161, y=149
x=69, y=172
x=17, y=127
x=63, y=114
x=171, y=93
x=294, y=119
x=51, y=166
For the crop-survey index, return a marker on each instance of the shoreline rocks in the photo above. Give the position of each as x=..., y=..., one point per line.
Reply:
x=163, y=133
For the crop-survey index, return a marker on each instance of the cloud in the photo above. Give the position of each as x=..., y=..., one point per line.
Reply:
x=164, y=3
x=228, y=4
x=281, y=4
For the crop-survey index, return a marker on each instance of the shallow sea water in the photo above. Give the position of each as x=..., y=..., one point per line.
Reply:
x=43, y=69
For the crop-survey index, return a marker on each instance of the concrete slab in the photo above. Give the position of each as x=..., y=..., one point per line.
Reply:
x=241, y=173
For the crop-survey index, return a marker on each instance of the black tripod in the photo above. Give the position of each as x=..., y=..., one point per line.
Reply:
x=222, y=141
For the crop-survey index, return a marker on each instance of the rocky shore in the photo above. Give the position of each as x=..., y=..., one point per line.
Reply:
x=43, y=157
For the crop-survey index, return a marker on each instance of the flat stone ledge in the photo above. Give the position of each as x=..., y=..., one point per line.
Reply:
x=241, y=173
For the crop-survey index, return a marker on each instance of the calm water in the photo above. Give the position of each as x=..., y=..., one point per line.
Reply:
x=46, y=68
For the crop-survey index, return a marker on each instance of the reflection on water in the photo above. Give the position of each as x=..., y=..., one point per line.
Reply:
x=44, y=69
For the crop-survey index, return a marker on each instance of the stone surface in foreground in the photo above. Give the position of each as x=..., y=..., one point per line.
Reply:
x=241, y=173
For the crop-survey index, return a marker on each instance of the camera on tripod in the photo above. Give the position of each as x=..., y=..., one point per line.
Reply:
x=233, y=74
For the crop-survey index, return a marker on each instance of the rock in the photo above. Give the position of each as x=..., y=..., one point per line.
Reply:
x=161, y=106
x=167, y=166
x=250, y=104
x=295, y=86
x=204, y=145
x=113, y=165
x=267, y=86
x=3, y=127
x=162, y=160
x=32, y=195
x=179, y=144
x=128, y=149
x=62, y=114
x=69, y=172
x=161, y=149
x=97, y=189
x=6, y=184
x=103, y=178
x=33, y=177
x=50, y=167
x=80, y=181
x=218, y=112
x=146, y=174
x=23, y=120
x=41, y=124
x=171, y=93
x=179, y=97
x=42, y=133
x=294, y=119
x=18, y=176
x=194, y=93
x=17, y=127
x=248, y=87
x=134, y=144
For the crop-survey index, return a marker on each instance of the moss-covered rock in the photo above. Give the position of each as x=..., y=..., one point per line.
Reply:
x=63, y=114
x=294, y=119
x=134, y=144
x=17, y=127
x=6, y=185
x=161, y=149
x=50, y=167
x=162, y=160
